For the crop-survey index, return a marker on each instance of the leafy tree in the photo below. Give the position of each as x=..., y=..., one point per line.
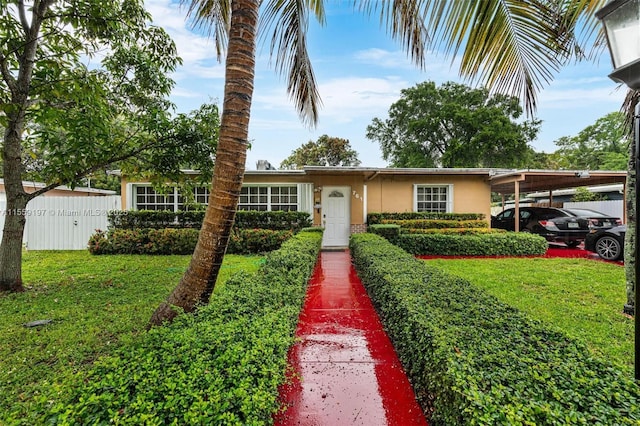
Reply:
x=453, y=126
x=544, y=161
x=583, y=194
x=524, y=45
x=603, y=145
x=326, y=151
x=64, y=120
x=103, y=180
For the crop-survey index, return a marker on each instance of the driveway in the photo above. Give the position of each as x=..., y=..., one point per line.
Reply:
x=560, y=250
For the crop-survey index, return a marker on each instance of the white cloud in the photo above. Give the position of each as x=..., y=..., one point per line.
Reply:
x=344, y=100
x=579, y=97
x=349, y=98
x=197, y=51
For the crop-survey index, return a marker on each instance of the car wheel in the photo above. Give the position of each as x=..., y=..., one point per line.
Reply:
x=608, y=248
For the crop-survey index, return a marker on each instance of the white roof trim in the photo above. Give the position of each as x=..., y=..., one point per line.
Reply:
x=39, y=185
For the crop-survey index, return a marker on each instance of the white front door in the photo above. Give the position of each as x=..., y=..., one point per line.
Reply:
x=336, y=215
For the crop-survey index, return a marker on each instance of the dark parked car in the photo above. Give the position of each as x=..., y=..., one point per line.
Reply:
x=596, y=219
x=556, y=225
x=608, y=243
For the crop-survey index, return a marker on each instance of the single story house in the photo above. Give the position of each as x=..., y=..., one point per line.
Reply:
x=339, y=198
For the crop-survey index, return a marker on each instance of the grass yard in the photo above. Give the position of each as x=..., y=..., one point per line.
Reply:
x=95, y=302
x=582, y=297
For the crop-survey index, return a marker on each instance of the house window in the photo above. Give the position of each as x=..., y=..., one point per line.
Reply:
x=252, y=197
x=201, y=194
x=148, y=199
x=269, y=198
x=433, y=198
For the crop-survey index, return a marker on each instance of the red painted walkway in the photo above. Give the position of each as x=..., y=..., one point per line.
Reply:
x=346, y=370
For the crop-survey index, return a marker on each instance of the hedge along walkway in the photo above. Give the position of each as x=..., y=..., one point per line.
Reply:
x=346, y=370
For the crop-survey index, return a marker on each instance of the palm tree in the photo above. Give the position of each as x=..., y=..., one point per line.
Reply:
x=512, y=46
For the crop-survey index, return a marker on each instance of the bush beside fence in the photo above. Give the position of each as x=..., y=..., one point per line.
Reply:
x=474, y=360
x=221, y=365
x=181, y=241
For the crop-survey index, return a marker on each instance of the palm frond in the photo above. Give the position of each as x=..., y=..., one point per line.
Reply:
x=214, y=16
x=514, y=47
x=289, y=21
x=404, y=21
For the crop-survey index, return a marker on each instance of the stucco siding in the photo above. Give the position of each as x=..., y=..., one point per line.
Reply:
x=471, y=194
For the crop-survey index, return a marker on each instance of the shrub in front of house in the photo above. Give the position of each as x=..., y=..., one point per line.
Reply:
x=436, y=223
x=455, y=231
x=378, y=218
x=248, y=241
x=221, y=365
x=181, y=241
x=388, y=231
x=159, y=219
x=474, y=360
x=476, y=244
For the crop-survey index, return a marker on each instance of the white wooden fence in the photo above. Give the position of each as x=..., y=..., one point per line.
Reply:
x=64, y=223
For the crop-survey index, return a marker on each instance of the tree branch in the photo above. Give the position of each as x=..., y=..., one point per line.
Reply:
x=23, y=16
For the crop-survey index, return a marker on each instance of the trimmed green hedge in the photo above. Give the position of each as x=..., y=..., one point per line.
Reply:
x=181, y=241
x=437, y=223
x=475, y=361
x=222, y=365
x=139, y=219
x=489, y=244
x=455, y=231
x=390, y=232
x=378, y=218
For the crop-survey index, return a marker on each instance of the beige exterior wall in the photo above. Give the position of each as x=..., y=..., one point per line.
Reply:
x=394, y=193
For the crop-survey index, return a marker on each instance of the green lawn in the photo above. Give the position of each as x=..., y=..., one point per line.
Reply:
x=582, y=297
x=95, y=302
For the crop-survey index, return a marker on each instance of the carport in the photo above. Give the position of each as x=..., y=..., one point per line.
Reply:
x=524, y=181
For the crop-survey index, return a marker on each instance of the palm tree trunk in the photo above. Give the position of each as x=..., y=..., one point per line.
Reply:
x=198, y=282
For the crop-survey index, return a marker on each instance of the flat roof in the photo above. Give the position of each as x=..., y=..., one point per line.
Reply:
x=547, y=180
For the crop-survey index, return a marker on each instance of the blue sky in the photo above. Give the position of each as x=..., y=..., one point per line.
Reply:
x=360, y=72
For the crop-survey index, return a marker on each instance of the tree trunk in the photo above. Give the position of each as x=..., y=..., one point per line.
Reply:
x=15, y=212
x=17, y=199
x=11, y=246
x=198, y=282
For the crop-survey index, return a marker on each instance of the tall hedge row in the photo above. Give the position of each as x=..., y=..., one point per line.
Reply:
x=169, y=232
x=152, y=219
x=476, y=361
x=220, y=366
